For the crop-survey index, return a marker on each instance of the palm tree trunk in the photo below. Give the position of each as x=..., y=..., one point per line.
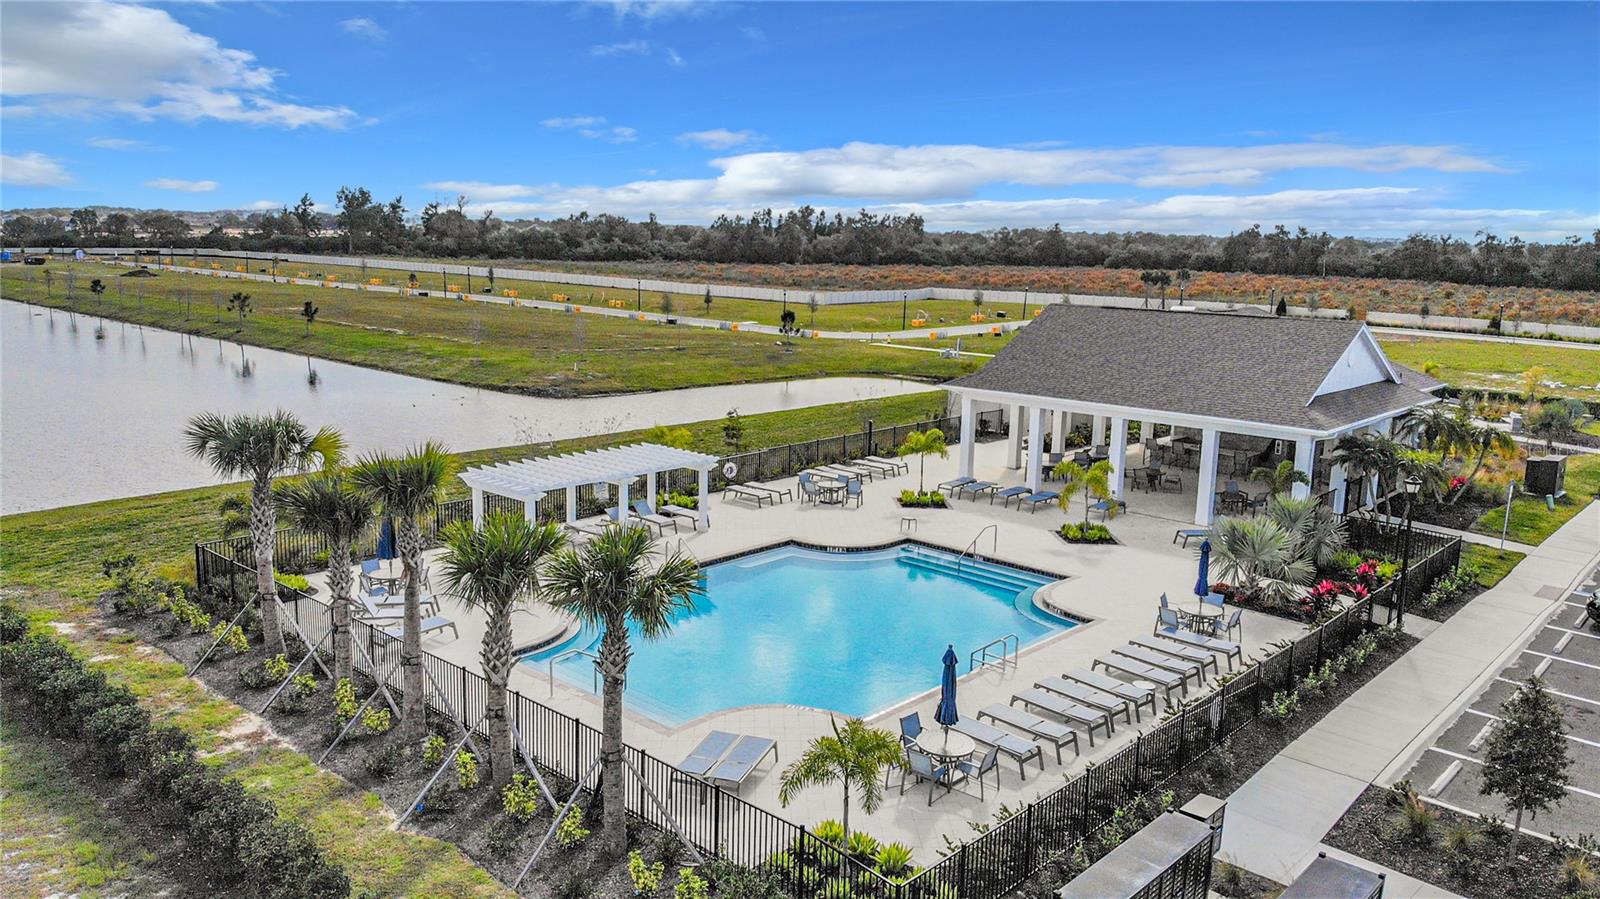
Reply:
x=1477, y=464
x=922, y=470
x=614, y=653
x=844, y=820
x=496, y=657
x=263, y=539
x=413, y=712
x=339, y=602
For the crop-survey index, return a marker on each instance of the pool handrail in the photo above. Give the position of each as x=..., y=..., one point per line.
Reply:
x=550, y=667
x=972, y=547
x=982, y=658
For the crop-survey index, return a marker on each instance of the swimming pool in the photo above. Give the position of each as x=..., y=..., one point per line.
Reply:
x=853, y=632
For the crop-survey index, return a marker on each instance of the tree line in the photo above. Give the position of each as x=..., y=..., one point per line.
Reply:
x=362, y=224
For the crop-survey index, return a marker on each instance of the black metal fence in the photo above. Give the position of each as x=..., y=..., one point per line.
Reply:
x=1432, y=553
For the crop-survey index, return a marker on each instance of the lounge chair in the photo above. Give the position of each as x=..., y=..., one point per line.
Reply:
x=1166, y=680
x=1167, y=628
x=900, y=465
x=1136, y=696
x=683, y=513
x=1086, y=695
x=920, y=766
x=1035, y=500
x=643, y=512
x=837, y=472
x=1181, y=667
x=382, y=600
x=1186, y=533
x=746, y=491
x=1010, y=744
x=1201, y=657
x=741, y=761
x=976, y=770
x=1052, y=732
x=1065, y=708
x=882, y=468
x=1104, y=508
x=705, y=756
x=975, y=488
x=429, y=625
x=953, y=483
x=1008, y=494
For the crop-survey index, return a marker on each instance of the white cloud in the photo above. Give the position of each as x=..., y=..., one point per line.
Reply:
x=752, y=33
x=32, y=170
x=117, y=143
x=483, y=192
x=719, y=138
x=365, y=28
x=193, y=187
x=593, y=127
x=265, y=205
x=623, y=48
x=98, y=58
x=674, y=60
x=652, y=10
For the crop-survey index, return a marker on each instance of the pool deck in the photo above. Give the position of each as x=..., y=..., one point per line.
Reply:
x=1116, y=587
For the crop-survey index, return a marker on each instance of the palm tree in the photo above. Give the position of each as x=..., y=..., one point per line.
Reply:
x=1320, y=533
x=1281, y=477
x=611, y=582
x=1441, y=428
x=1482, y=439
x=923, y=444
x=1260, y=556
x=1363, y=456
x=495, y=568
x=407, y=487
x=854, y=757
x=1095, y=481
x=262, y=447
x=330, y=508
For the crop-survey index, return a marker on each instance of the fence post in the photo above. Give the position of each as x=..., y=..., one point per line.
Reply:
x=961, y=872
x=1027, y=837
x=1288, y=680
x=1183, y=736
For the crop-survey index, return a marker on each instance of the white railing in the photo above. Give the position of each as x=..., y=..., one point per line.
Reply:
x=986, y=655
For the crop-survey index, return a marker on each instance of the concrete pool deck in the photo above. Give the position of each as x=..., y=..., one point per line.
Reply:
x=1116, y=587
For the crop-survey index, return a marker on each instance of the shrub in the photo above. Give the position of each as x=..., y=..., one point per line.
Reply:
x=345, y=705
x=520, y=798
x=862, y=845
x=571, y=832
x=932, y=499
x=1281, y=707
x=376, y=721
x=467, y=775
x=13, y=624
x=433, y=750
x=231, y=637
x=293, y=581
x=1080, y=532
x=383, y=763
x=691, y=886
x=276, y=667
x=894, y=860
x=1578, y=874
x=502, y=836
x=1413, y=820
x=1220, y=763
x=646, y=877
x=1461, y=846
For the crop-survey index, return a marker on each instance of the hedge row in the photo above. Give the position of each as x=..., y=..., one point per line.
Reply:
x=237, y=840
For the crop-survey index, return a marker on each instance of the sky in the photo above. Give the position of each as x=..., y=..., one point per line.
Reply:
x=1374, y=119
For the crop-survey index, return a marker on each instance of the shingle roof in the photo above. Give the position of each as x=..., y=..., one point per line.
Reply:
x=1244, y=368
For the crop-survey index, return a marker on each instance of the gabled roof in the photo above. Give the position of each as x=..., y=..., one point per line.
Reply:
x=1246, y=368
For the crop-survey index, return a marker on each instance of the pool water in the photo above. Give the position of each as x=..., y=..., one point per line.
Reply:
x=852, y=632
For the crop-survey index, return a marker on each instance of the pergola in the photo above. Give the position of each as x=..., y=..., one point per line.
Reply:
x=529, y=480
x=1298, y=380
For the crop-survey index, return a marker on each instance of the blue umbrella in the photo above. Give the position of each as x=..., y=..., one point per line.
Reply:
x=1202, y=587
x=386, y=539
x=946, y=713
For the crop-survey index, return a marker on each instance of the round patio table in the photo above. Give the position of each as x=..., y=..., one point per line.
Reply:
x=946, y=745
x=391, y=574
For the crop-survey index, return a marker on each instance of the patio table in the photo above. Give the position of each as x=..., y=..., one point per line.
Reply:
x=946, y=745
x=391, y=573
x=832, y=494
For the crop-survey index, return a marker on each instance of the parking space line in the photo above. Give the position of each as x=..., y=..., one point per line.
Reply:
x=1546, y=655
x=1568, y=630
x=1573, y=697
x=1498, y=718
x=1467, y=758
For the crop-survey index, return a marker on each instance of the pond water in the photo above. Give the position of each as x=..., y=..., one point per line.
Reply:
x=85, y=418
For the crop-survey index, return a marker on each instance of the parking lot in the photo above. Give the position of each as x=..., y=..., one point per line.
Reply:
x=1565, y=653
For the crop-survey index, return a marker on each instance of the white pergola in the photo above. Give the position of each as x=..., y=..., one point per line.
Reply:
x=529, y=480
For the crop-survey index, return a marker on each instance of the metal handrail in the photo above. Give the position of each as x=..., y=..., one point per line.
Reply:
x=550, y=667
x=972, y=548
x=980, y=657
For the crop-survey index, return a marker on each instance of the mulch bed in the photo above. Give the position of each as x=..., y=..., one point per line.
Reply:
x=467, y=823
x=1365, y=831
x=1459, y=516
x=1444, y=610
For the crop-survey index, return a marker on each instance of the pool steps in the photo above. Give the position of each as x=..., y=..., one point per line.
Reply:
x=978, y=571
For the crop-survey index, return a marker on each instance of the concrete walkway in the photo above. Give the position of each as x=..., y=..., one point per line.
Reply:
x=1277, y=819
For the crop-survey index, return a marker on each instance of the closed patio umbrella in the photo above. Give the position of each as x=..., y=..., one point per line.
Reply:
x=386, y=539
x=946, y=713
x=1202, y=587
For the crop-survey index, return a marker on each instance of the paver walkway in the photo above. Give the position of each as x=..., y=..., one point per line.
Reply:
x=1276, y=820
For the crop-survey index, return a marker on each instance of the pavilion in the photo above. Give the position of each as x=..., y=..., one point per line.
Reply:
x=618, y=467
x=1246, y=389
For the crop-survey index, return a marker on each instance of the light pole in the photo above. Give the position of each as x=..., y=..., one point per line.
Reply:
x=638, y=296
x=902, y=310
x=1024, y=304
x=1413, y=486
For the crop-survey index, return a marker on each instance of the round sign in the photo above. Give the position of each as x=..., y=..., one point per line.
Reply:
x=729, y=469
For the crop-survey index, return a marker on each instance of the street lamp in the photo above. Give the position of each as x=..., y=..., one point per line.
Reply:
x=1413, y=486
x=902, y=310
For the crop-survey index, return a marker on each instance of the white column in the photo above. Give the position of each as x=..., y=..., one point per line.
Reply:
x=1119, y=454
x=1058, y=443
x=1205, y=501
x=1098, y=431
x=655, y=488
x=969, y=437
x=622, y=501
x=530, y=508
x=1338, y=482
x=705, y=497
x=572, y=505
x=1014, y=440
x=1035, y=448
x=1305, y=456
x=477, y=507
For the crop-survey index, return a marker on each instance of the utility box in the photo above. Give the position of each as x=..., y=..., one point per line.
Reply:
x=1546, y=476
x=1329, y=878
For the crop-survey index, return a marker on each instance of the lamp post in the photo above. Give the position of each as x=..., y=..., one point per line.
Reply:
x=902, y=310
x=1413, y=486
x=1024, y=304
x=638, y=296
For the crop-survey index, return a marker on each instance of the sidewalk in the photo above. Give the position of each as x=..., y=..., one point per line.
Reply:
x=1276, y=820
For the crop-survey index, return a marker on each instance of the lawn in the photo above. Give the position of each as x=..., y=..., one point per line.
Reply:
x=1493, y=563
x=1498, y=365
x=1531, y=519
x=478, y=344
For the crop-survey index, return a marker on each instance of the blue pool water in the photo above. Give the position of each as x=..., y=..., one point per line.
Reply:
x=850, y=632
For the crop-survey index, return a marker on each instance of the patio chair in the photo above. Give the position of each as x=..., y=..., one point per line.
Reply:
x=1008, y=494
x=1136, y=696
x=683, y=513
x=643, y=512
x=707, y=753
x=920, y=766
x=742, y=761
x=1162, y=662
x=369, y=567
x=436, y=623
x=1018, y=748
x=1171, y=479
x=976, y=488
x=953, y=483
x=1169, y=628
x=852, y=491
x=1052, y=732
x=809, y=490
x=1088, y=718
x=1035, y=500
x=746, y=491
x=1187, y=533
x=989, y=762
x=1235, y=623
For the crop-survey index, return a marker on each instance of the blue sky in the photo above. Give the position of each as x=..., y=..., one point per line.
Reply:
x=1363, y=118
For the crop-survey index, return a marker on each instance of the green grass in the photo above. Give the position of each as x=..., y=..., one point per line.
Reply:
x=1493, y=563
x=1498, y=365
x=1592, y=428
x=478, y=344
x=1531, y=520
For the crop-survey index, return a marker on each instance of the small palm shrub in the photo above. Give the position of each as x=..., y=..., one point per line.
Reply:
x=1462, y=846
